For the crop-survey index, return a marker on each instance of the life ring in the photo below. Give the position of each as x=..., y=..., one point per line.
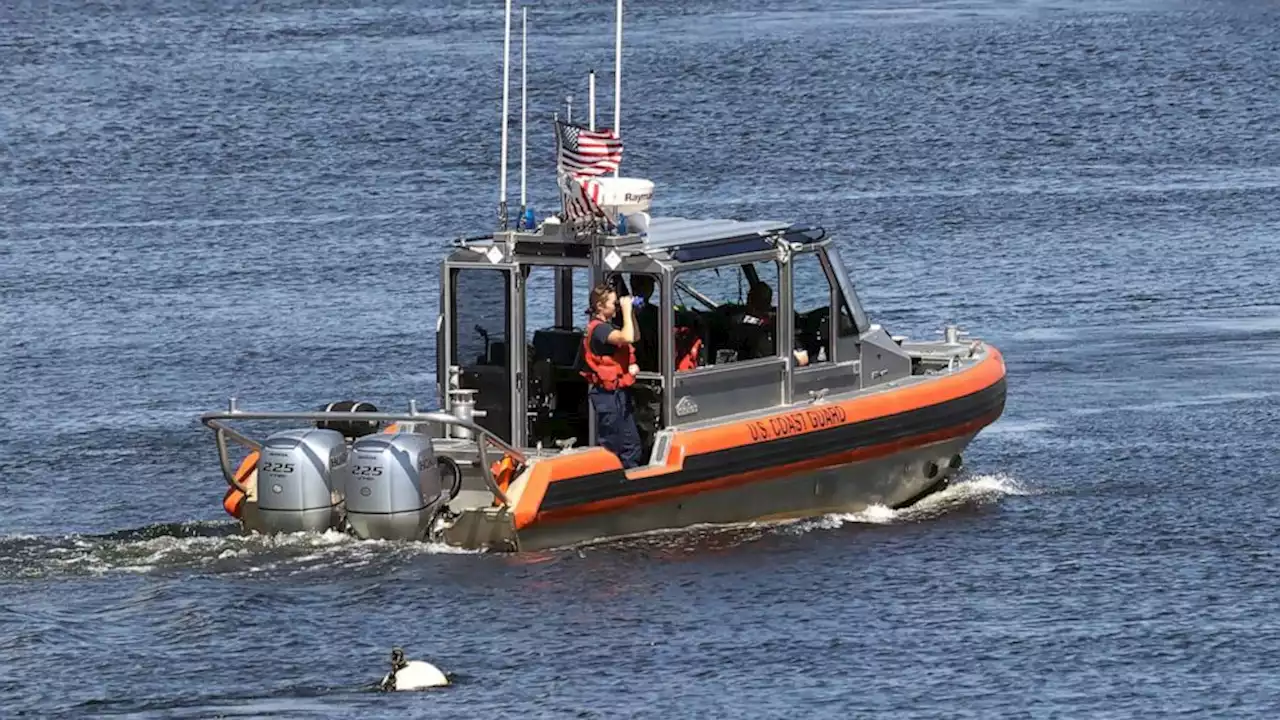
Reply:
x=233, y=501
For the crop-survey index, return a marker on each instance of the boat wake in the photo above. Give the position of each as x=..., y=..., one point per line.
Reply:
x=219, y=548
x=969, y=493
x=205, y=547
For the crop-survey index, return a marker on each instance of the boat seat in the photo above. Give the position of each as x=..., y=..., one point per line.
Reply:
x=560, y=346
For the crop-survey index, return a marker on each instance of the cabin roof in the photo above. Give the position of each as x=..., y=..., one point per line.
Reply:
x=669, y=232
x=669, y=238
x=684, y=240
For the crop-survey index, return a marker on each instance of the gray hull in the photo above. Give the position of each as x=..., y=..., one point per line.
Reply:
x=892, y=480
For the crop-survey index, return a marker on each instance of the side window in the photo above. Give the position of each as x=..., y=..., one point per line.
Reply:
x=812, y=292
x=540, y=298
x=480, y=306
x=725, y=314
x=549, y=343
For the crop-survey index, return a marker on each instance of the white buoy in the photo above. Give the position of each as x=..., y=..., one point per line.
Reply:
x=412, y=674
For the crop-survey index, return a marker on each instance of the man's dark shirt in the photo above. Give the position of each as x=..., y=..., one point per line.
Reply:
x=647, y=347
x=753, y=338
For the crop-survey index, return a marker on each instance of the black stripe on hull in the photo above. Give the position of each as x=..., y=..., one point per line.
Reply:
x=782, y=451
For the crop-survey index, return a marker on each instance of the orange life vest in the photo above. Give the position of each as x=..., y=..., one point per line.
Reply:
x=688, y=345
x=608, y=372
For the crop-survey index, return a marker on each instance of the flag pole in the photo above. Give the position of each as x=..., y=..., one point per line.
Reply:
x=591, y=99
x=617, y=78
x=559, y=166
x=524, y=104
x=506, y=91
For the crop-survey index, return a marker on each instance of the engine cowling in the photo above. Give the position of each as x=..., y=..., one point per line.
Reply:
x=300, y=480
x=393, y=487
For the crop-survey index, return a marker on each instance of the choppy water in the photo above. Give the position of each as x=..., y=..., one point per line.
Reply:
x=207, y=199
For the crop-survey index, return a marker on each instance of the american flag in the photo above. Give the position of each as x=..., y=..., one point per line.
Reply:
x=583, y=155
x=588, y=152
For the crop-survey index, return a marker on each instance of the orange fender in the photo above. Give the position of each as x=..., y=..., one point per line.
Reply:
x=233, y=501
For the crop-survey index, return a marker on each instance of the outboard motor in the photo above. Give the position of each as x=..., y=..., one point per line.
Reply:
x=300, y=480
x=393, y=487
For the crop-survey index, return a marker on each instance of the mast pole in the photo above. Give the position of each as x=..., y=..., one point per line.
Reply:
x=506, y=91
x=617, y=77
x=591, y=99
x=524, y=106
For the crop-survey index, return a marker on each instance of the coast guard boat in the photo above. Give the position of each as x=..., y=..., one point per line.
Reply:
x=836, y=416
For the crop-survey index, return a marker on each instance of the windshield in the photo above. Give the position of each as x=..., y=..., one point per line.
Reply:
x=853, y=319
x=714, y=287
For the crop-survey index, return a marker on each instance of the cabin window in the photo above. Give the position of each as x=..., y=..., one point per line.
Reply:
x=480, y=313
x=480, y=310
x=725, y=315
x=811, y=289
x=555, y=392
x=540, y=310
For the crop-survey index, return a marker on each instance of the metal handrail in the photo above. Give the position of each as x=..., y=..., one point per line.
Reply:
x=217, y=422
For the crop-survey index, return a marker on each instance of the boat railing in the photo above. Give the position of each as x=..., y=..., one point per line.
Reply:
x=218, y=422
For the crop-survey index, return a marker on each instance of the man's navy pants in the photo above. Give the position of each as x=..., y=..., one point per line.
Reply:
x=616, y=424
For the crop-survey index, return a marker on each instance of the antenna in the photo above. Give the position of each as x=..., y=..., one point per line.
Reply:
x=591, y=99
x=524, y=106
x=506, y=91
x=617, y=79
x=559, y=161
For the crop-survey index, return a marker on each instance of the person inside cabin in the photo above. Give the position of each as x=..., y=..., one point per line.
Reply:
x=645, y=397
x=689, y=330
x=648, y=339
x=610, y=361
x=753, y=330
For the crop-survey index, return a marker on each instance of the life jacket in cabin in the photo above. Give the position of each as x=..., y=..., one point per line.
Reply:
x=607, y=372
x=688, y=347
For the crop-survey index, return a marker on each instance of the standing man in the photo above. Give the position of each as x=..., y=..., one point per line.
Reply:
x=610, y=370
x=645, y=398
x=646, y=318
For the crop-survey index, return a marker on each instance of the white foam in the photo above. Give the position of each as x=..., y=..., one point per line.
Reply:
x=978, y=490
x=235, y=553
x=315, y=552
x=1005, y=426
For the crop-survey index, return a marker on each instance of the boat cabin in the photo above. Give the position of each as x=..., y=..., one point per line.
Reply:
x=697, y=279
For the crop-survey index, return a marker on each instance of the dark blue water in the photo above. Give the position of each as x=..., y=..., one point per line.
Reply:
x=205, y=199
